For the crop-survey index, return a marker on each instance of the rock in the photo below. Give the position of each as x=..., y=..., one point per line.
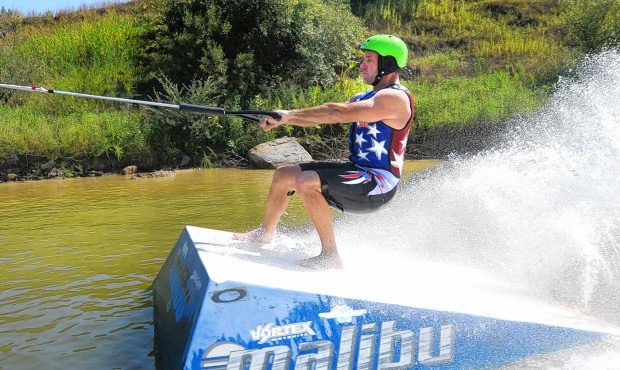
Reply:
x=150, y=175
x=279, y=152
x=184, y=161
x=130, y=170
x=11, y=176
x=56, y=173
x=48, y=167
x=10, y=161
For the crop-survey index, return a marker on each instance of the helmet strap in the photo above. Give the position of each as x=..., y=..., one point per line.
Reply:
x=380, y=72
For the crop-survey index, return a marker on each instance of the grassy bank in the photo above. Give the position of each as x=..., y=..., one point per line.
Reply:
x=111, y=133
x=91, y=53
x=471, y=63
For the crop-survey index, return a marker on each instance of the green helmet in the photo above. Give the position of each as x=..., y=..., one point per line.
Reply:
x=388, y=45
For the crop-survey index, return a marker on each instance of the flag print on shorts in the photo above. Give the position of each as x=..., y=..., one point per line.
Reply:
x=356, y=177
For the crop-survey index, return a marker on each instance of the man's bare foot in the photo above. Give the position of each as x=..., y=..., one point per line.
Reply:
x=257, y=236
x=321, y=262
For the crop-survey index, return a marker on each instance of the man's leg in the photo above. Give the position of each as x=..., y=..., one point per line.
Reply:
x=283, y=181
x=308, y=187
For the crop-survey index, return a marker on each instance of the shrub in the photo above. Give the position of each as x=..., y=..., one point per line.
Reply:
x=593, y=25
x=248, y=47
x=205, y=139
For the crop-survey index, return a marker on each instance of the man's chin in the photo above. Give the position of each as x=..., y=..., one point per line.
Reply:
x=368, y=80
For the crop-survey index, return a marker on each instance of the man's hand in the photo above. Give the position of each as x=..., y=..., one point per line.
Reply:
x=267, y=123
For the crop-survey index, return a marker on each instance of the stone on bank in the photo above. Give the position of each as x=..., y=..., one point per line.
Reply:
x=282, y=151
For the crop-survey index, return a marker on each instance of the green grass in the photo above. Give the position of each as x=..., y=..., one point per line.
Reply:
x=471, y=62
x=458, y=37
x=94, y=57
x=463, y=101
x=112, y=133
x=460, y=100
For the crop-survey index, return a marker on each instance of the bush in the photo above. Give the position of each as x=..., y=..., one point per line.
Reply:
x=328, y=39
x=207, y=140
x=593, y=25
x=249, y=47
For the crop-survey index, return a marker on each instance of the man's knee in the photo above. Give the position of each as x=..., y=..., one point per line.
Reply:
x=307, y=181
x=286, y=174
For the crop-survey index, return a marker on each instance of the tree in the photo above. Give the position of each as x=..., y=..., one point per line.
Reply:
x=249, y=47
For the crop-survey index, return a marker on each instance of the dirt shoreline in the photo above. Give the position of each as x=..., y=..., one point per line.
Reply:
x=424, y=144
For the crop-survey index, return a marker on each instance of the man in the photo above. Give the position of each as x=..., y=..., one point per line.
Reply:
x=381, y=120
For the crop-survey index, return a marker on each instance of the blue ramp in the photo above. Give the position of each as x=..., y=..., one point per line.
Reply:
x=224, y=304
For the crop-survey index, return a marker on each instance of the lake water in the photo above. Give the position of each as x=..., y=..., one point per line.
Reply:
x=79, y=255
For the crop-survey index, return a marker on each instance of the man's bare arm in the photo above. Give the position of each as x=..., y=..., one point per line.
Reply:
x=390, y=106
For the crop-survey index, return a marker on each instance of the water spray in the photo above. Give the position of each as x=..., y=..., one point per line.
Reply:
x=541, y=208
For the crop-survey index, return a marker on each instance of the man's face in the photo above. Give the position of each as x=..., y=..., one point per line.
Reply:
x=369, y=66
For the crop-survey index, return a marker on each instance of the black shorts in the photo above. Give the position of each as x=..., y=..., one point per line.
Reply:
x=346, y=195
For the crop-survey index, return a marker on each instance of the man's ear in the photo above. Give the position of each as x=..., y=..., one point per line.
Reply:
x=389, y=65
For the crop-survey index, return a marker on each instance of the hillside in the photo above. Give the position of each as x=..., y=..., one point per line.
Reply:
x=473, y=65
